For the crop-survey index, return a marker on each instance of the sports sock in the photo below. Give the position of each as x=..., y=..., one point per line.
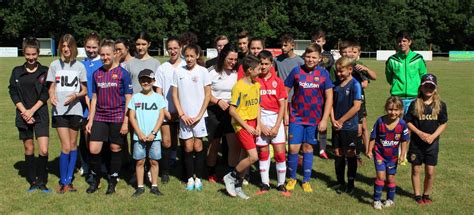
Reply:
x=264, y=166
x=41, y=171
x=351, y=170
x=115, y=163
x=281, y=172
x=95, y=163
x=292, y=164
x=164, y=162
x=392, y=188
x=307, y=166
x=63, y=165
x=360, y=146
x=340, y=166
x=199, y=163
x=30, y=168
x=189, y=163
x=71, y=166
x=378, y=189
x=322, y=140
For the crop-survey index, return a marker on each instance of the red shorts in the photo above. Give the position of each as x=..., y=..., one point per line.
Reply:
x=247, y=140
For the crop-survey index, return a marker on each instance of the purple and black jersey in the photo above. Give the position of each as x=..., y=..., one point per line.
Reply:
x=387, y=142
x=309, y=90
x=111, y=88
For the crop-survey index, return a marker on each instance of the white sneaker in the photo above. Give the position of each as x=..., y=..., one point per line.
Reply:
x=388, y=203
x=198, y=184
x=245, y=182
x=240, y=193
x=190, y=184
x=378, y=205
x=229, y=182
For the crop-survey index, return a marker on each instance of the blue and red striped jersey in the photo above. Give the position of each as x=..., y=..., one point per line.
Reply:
x=111, y=87
x=309, y=94
x=387, y=142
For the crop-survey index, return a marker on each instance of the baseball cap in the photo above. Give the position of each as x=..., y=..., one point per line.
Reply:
x=146, y=73
x=429, y=79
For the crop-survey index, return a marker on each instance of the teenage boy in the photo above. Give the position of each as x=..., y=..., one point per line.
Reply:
x=219, y=44
x=243, y=41
x=245, y=112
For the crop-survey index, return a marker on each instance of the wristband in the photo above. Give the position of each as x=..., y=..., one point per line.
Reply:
x=153, y=132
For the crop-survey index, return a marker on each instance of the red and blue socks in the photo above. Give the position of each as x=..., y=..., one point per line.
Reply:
x=378, y=189
x=392, y=188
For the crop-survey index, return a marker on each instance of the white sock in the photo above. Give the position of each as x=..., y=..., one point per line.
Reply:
x=281, y=172
x=321, y=151
x=190, y=180
x=264, y=171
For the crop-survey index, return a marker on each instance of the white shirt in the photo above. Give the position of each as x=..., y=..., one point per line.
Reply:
x=164, y=79
x=222, y=83
x=190, y=84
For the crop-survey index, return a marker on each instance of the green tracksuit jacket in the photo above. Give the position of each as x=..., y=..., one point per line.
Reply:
x=404, y=73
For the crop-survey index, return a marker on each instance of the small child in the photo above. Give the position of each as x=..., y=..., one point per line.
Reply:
x=146, y=111
x=427, y=118
x=388, y=132
x=191, y=94
x=245, y=112
x=347, y=100
x=273, y=103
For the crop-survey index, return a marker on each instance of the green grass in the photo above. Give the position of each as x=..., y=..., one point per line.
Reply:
x=452, y=194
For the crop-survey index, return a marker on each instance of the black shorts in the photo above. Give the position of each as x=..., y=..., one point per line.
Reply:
x=423, y=153
x=40, y=129
x=344, y=140
x=107, y=132
x=218, y=122
x=73, y=122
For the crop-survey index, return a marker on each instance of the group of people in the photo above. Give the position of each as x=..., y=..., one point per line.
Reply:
x=243, y=101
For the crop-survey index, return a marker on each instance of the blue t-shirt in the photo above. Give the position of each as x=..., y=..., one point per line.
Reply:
x=91, y=66
x=344, y=97
x=147, y=112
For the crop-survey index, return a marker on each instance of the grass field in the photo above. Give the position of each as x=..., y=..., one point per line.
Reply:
x=452, y=194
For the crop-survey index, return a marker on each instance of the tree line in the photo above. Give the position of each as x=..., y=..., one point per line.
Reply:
x=436, y=25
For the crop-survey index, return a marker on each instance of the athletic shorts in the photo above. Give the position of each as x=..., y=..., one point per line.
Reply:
x=107, y=132
x=269, y=121
x=422, y=153
x=247, y=140
x=218, y=122
x=67, y=121
x=385, y=165
x=298, y=134
x=196, y=130
x=344, y=140
x=40, y=129
x=140, y=148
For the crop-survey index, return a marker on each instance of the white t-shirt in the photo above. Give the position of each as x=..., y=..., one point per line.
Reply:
x=222, y=83
x=68, y=78
x=190, y=86
x=164, y=79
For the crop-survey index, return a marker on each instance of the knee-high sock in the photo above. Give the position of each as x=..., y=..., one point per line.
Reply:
x=71, y=166
x=115, y=163
x=378, y=189
x=30, y=168
x=189, y=163
x=199, y=163
x=63, y=166
x=281, y=173
x=264, y=166
x=307, y=166
x=351, y=170
x=292, y=164
x=340, y=166
x=164, y=162
x=41, y=170
x=322, y=141
x=392, y=188
x=95, y=164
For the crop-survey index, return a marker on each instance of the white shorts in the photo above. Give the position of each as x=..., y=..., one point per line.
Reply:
x=269, y=120
x=196, y=130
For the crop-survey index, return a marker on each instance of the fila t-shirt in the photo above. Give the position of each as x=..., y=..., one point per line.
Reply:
x=190, y=84
x=164, y=79
x=147, y=112
x=67, y=77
